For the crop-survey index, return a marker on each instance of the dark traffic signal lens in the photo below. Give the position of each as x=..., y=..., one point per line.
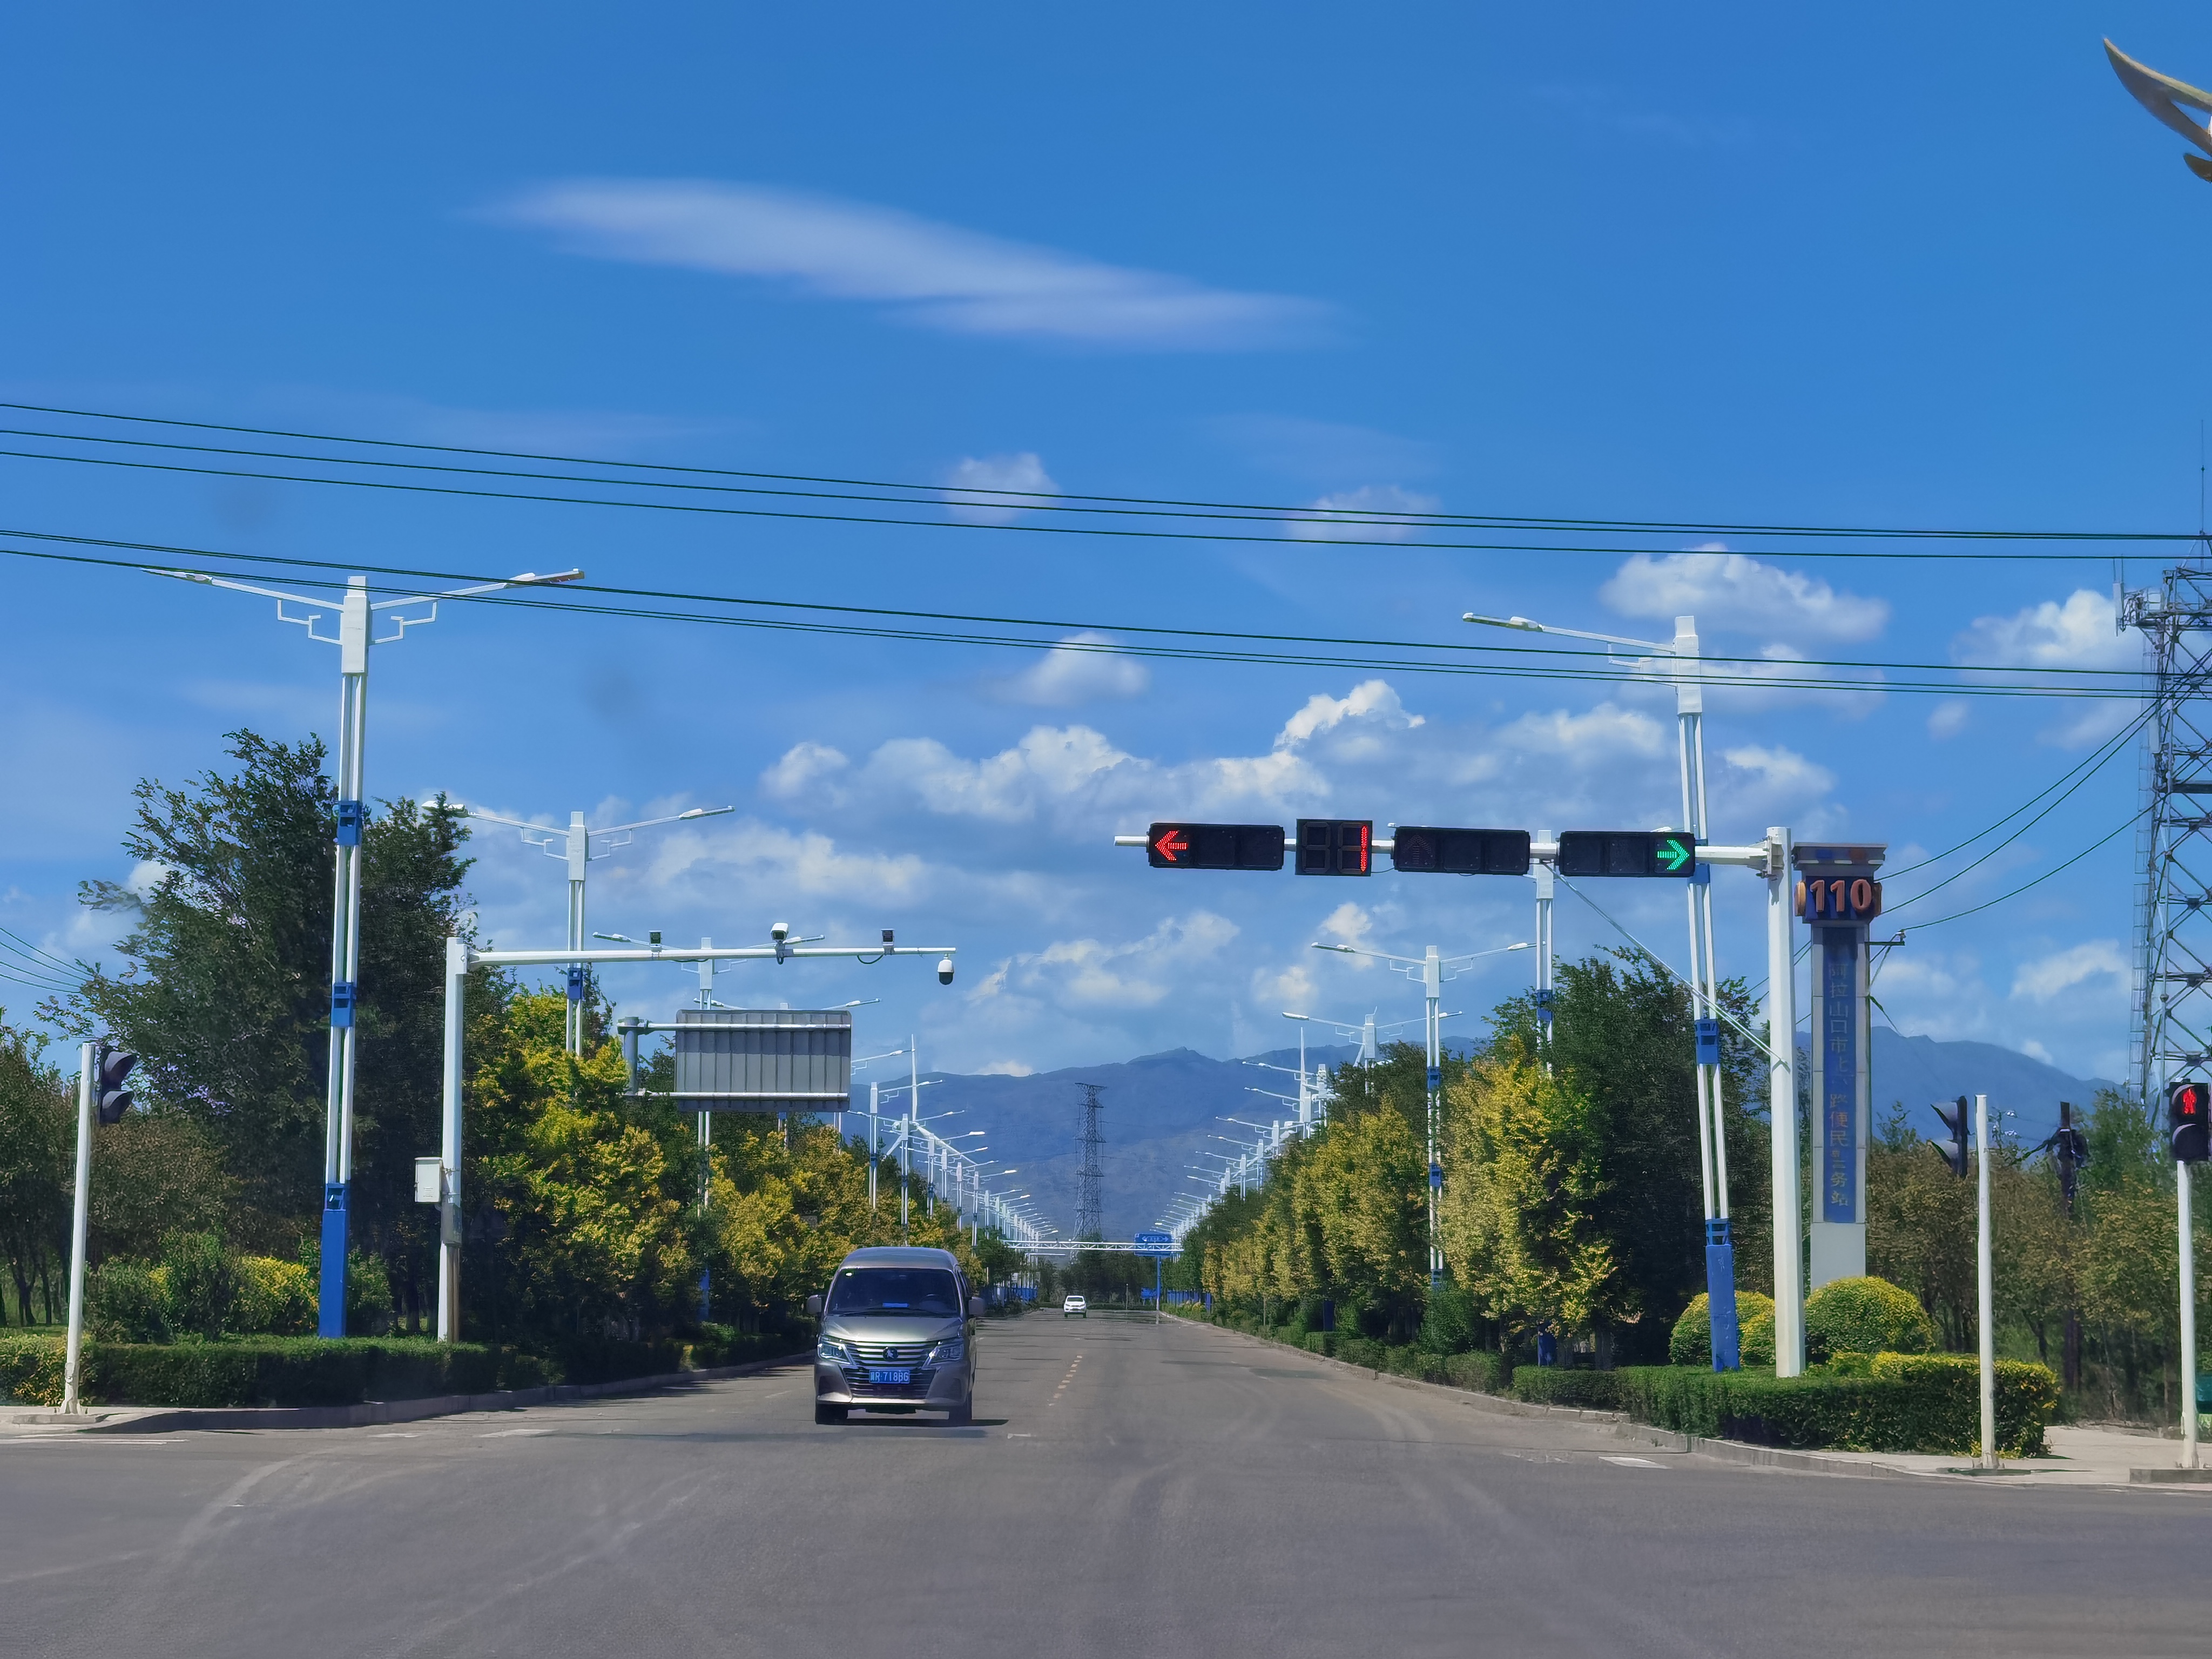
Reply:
x=2185, y=1120
x=1626, y=853
x=1460, y=852
x=1214, y=847
x=1336, y=846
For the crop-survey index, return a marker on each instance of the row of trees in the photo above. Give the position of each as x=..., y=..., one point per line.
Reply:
x=1571, y=1197
x=1572, y=1204
x=582, y=1217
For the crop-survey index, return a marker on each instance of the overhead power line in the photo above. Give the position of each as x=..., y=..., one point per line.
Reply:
x=1276, y=519
x=1191, y=644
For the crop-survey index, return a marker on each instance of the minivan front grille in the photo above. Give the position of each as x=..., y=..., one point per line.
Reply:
x=890, y=1353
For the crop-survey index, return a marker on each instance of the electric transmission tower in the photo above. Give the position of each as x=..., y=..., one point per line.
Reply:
x=2173, y=1012
x=1087, y=1223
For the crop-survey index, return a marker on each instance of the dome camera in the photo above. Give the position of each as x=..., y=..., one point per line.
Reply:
x=944, y=970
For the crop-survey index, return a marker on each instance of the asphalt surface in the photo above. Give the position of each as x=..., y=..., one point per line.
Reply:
x=1126, y=1491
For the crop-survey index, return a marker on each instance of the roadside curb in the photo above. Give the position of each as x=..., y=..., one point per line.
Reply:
x=159, y=1421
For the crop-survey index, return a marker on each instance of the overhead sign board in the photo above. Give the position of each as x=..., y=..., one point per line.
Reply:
x=763, y=1060
x=1458, y=852
x=1336, y=846
x=1627, y=852
x=1214, y=846
x=1155, y=1244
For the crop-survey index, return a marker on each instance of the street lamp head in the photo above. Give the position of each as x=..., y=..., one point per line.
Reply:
x=1520, y=623
x=531, y=579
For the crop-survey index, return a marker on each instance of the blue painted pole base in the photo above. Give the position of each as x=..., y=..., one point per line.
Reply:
x=331, y=1318
x=705, y=1293
x=1720, y=1296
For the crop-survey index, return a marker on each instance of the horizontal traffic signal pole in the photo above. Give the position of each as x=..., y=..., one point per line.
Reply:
x=1433, y=850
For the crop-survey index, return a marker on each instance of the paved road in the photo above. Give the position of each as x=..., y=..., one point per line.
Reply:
x=1127, y=1492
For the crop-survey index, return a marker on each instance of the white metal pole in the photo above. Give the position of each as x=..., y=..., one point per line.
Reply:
x=1782, y=1108
x=449, y=1144
x=906, y=1139
x=1985, y=1315
x=1432, y=989
x=72, y=1363
x=874, y=1103
x=1544, y=878
x=580, y=858
x=2182, y=1178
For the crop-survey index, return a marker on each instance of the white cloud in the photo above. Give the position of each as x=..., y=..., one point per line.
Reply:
x=1348, y=924
x=1140, y=973
x=803, y=769
x=1369, y=700
x=1082, y=668
x=1729, y=590
x=937, y=275
x=2078, y=634
x=974, y=489
x=1049, y=762
x=2044, y=979
x=1351, y=516
x=1006, y=1068
x=1948, y=719
x=1784, y=771
x=1605, y=732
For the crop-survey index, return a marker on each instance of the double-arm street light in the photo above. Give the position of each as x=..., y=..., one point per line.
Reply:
x=357, y=615
x=1433, y=968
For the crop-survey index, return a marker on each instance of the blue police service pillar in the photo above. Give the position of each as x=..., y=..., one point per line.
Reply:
x=330, y=1300
x=1837, y=894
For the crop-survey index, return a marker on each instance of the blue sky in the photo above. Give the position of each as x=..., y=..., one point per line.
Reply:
x=1881, y=267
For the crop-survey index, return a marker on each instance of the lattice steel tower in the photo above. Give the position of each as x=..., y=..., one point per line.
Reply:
x=1087, y=1223
x=2172, y=1014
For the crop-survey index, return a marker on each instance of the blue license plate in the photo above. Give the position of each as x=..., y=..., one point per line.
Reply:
x=876, y=1374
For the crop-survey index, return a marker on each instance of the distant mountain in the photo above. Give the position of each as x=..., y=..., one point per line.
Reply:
x=1162, y=1111
x=1918, y=1070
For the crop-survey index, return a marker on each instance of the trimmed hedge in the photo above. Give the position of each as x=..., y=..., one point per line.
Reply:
x=1555, y=1385
x=306, y=1370
x=1691, y=1342
x=1865, y=1316
x=1478, y=1372
x=1908, y=1403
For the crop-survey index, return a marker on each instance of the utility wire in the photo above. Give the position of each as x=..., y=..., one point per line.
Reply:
x=1276, y=519
x=1154, y=506
x=1748, y=672
x=2130, y=824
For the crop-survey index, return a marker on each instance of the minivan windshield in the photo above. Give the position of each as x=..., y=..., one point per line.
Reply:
x=896, y=1292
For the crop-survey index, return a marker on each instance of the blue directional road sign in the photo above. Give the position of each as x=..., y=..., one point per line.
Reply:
x=1157, y=1244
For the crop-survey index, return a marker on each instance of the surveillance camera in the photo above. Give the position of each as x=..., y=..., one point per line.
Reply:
x=780, y=932
x=944, y=970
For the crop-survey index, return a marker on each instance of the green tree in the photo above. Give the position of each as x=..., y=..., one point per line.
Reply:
x=38, y=1128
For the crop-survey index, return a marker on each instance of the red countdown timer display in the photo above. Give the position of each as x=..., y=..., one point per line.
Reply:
x=1336, y=846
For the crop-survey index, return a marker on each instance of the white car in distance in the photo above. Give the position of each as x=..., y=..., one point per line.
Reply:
x=1074, y=1307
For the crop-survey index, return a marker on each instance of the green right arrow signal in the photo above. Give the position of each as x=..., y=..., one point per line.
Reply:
x=1674, y=854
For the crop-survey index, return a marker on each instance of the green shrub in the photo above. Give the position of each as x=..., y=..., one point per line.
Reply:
x=1480, y=1371
x=1359, y=1351
x=1865, y=1316
x=201, y=1278
x=31, y=1369
x=300, y=1371
x=124, y=1301
x=273, y=1297
x=1449, y=1324
x=1692, y=1343
x=1320, y=1342
x=1906, y=1403
x=1553, y=1385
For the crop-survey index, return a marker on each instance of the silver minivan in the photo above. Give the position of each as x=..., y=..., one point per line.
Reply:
x=897, y=1336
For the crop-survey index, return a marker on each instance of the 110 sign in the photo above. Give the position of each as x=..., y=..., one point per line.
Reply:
x=1840, y=898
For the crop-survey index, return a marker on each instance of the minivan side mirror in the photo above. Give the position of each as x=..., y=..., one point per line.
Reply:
x=814, y=1306
x=975, y=1306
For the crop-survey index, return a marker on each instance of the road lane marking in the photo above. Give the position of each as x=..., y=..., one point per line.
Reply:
x=1632, y=1463
x=502, y=1434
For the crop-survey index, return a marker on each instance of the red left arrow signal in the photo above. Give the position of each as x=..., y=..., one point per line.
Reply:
x=1172, y=844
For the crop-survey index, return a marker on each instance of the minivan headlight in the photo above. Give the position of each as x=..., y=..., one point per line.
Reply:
x=831, y=1349
x=952, y=1348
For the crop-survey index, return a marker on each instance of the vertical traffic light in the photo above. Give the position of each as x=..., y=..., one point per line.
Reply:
x=1954, y=1150
x=110, y=1065
x=2185, y=1120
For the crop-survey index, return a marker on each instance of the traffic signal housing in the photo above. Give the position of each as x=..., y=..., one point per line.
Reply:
x=1214, y=847
x=2185, y=1120
x=110, y=1065
x=1336, y=846
x=1430, y=850
x=1627, y=852
x=1954, y=1150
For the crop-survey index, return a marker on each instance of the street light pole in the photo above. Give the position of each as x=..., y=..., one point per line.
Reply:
x=356, y=618
x=578, y=845
x=80, y=1214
